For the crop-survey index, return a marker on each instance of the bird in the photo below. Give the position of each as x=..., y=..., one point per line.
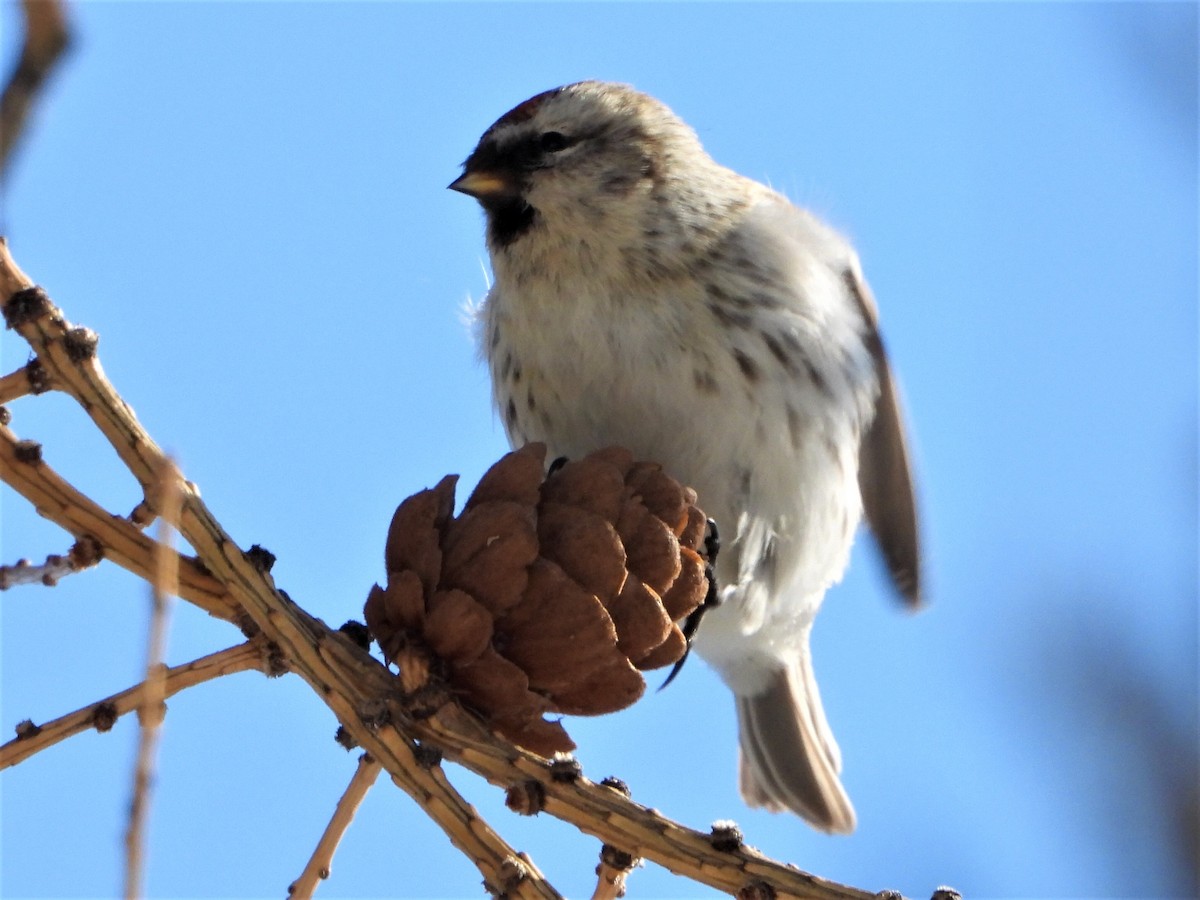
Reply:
x=645, y=296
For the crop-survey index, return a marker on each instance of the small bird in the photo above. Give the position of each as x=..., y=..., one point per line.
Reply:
x=648, y=297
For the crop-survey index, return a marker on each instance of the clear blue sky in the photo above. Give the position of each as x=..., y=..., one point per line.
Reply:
x=247, y=202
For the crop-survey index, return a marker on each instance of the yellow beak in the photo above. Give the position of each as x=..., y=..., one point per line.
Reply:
x=482, y=184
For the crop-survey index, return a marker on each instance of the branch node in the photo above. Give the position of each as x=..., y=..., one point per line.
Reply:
x=10, y=575
x=756, y=890
x=565, y=768
x=425, y=702
x=25, y=306
x=104, y=716
x=614, y=866
x=358, y=633
x=143, y=514
x=612, y=782
x=427, y=755
x=80, y=344
x=39, y=379
x=945, y=892
x=26, y=729
x=5, y=415
x=261, y=558
x=28, y=452
x=513, y=871
x=277, y=663
x=616, y=858
x=345, y=739
x=375, y=714
x=85, y=552
x=526, y=798
x=726, y=837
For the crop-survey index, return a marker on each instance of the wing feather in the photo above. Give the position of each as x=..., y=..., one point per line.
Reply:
x=885, y=471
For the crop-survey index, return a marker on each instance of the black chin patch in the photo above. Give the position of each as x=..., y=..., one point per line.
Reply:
x=508, y=219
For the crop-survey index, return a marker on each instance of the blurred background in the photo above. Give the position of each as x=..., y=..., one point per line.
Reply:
x=247, y=202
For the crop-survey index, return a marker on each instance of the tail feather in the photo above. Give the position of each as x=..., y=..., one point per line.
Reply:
x=789, y=759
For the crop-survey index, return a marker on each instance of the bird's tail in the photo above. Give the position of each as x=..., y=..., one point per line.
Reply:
x=789, y=759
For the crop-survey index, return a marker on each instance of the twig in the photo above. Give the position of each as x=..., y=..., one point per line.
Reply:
x=362, y=705
x=22, y=469
x=611, y=872
x=150, y=713
x=321, y=862
x=46, y=37
x=102, y=714
x=83, y=554
x=69, y=354
x=593, y=808
x=29, y=379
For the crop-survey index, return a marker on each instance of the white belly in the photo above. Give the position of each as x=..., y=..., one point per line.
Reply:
x=773, y=457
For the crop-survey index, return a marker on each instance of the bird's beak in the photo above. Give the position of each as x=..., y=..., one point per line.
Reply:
x=481, y=185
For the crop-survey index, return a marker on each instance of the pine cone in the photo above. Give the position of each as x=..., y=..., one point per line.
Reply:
x=546, y=594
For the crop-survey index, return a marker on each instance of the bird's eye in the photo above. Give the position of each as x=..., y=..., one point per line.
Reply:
x=553, y=141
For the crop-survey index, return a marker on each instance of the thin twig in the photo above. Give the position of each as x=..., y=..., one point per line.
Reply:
x=321, y=862
x=46, y=37
x=69, y=354
x=614, y=866
x=102, y=714
x=31, y=378
x=122, y=541
x=150, y=714
x=362, y=706
x=84, y=554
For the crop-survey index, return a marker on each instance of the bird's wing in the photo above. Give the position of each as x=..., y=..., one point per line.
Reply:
x=884, y=473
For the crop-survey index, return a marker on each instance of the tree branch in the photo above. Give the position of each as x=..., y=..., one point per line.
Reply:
x=611, y=872
x=84, y=554
x=150, y=714
x=321, y=862
x=102, y=714
x=46, y=37
x=31, y=378
x=367, y=699
x=22, y=469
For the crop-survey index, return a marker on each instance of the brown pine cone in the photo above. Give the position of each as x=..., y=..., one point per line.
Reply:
x=547, y=594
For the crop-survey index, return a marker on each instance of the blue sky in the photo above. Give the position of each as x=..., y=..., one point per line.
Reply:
x=247, y=202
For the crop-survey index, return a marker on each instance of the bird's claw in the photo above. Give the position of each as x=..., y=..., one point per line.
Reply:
x=712, y=599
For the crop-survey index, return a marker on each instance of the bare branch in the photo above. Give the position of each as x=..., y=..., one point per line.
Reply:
x=611, y=872
x=321, y=862
x=84, y=553
x=31, y=378
x=122, y=541
x=69, y=354
x=46, y=37
x=370, y=702
x=102, y=714
x=153, y=708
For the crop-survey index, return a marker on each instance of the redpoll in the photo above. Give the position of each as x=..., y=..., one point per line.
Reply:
x=647, y=297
